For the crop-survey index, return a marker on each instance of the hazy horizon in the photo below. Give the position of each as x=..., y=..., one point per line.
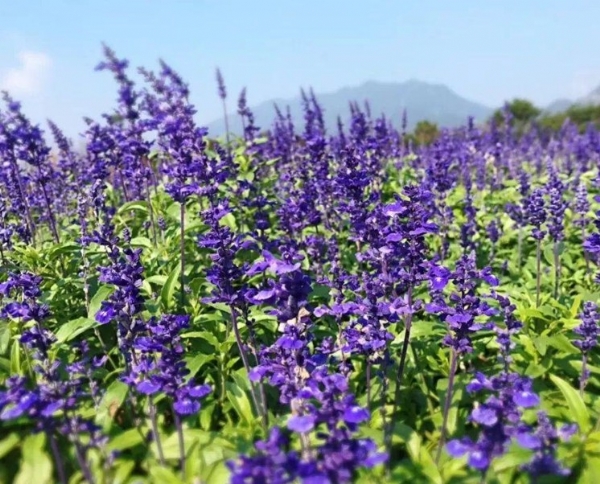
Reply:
x=486, y=52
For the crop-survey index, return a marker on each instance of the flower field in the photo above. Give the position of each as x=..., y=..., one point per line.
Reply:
x=296, y=304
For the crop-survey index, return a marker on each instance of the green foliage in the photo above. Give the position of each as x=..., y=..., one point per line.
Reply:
x=228, y=422
x=425, y=133
x=521, y=110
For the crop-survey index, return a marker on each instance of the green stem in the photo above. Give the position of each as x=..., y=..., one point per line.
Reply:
x=447, y=402
x=58, y=462
x=182, y=254
x=154, y=423
x=400, y=372
x=538, y=281
x=238, y=338
x=181, y=441
x=556, y=270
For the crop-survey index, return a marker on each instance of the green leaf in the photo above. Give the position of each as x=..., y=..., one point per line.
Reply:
x=159, y=280
x=101, y=294
x=197, y=362
x=429, y=467
x=240, y=402
x=15, y=358
x=4, y=338
x=8, y=443
x=591, y=471
x=36, y=466
x=136, y=206
x=205, y=335
x=162, y=475
x=575, y=306
x=168, y=290
x=123, y=469
x=111, y=402
x=515, y=457
x=128, y=439
x=218, y=474
x=410, y=438
x=562, y=343
x=73, y=328
x=141, y=242
x=577, y=409
x=66, y=248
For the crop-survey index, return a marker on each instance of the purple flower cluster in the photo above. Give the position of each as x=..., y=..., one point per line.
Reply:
x=52, y=399
x=498, y=417
x=464, y=306
x=543, y=440
x=320, y=401
x=158, y=365
x=535, y=212
x=589, y=332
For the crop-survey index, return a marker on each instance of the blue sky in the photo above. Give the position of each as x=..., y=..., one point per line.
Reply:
x=487, y=51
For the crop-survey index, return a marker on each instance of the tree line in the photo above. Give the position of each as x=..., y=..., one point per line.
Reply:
x=523, y=116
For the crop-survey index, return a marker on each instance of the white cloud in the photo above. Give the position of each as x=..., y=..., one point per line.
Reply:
x=28, y=77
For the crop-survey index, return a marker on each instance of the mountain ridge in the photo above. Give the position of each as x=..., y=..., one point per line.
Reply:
x=593, y=97
x=422, y=100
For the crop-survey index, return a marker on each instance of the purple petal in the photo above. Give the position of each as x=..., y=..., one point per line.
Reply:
x=301, y=424
x=526, y=399
x=479, y=460
x=265, y=294
x=484, y=415
x=458, y=448
x=356, y=415
x=186, y=406
x=529, y=441
x=199, y=391
x=147, y=387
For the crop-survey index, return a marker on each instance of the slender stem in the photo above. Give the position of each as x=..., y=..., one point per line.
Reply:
x=28, y=217
x=447, y=402
x=583, y=378
x=150, y=211
x=238, y=338
x=182, y=249
x=181, y=443
x=58, y=462
x=51, y=218
x=153, y=421
x=85, y=469
x=556, y=270
x=401, y=367
x=520, y=248
x=86, y=292
x=369, y=365
x=538, y=282
x=304, y=442
x=253, y=347
x=226, y=129
x=124, y=187
x=585, y=255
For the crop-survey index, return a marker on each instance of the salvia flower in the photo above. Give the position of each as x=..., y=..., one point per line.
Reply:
x=464, y=305
x=543, y=441
x=535, y=212
x=589, y=332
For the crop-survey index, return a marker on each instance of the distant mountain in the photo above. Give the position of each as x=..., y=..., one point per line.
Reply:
x=592, y=98
x=559, y=105
x=422, y=100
